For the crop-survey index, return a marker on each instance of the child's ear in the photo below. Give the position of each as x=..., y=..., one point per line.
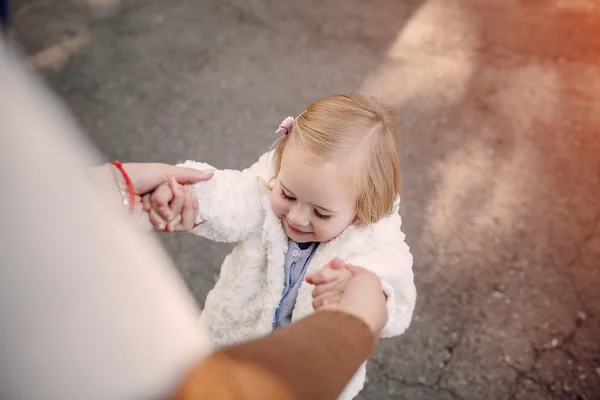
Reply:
x=356, y=220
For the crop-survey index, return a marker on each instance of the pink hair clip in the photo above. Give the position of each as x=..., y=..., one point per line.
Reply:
x=285, y=126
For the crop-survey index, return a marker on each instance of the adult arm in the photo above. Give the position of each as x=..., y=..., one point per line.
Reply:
x=313, y=358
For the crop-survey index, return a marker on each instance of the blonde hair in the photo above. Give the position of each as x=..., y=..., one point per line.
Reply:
x=362, y=135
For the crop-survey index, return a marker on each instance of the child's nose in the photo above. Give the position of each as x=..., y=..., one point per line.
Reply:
x=298, y=216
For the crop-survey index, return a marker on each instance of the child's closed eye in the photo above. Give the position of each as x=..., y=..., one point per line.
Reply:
x=321, y=216
x=286, y=197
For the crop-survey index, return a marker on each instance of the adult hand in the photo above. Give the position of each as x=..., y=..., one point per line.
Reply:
x=148, y=176
x=362, y=295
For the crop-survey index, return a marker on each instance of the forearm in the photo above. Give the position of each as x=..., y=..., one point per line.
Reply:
x=108, y=178
x=311, y=359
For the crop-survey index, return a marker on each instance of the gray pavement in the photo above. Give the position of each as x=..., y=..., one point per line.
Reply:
x=499, y=108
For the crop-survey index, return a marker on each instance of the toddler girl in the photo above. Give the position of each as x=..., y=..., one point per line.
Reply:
x=330, y=188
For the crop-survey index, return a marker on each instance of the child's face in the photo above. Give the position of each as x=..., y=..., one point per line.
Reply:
x=312, y=202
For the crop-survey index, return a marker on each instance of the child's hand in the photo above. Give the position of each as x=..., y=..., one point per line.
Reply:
x=171, y=207
x=329, y=285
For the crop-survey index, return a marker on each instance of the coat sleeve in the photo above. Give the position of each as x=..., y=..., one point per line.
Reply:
x=392, y=261
x=230, y=203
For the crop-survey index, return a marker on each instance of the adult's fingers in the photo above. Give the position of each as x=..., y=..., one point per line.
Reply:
x=186, y=175
x=333, y=306
x=160, y=202
x=326, y=298
x=148, y=176
x=333, y=285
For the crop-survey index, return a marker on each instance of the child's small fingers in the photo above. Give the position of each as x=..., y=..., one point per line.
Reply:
x=158, y=223
x=195, y=205
x=187, y=213
x=160, y=202
x=344, y=270
x=192, y=190
x=319, y=278
x=171, y=226
x=336, y=264
x=178, y=199
x=322, y=276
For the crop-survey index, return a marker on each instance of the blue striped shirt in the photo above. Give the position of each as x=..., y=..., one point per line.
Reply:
x=296, y=262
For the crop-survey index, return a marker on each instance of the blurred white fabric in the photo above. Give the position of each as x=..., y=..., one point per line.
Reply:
x=90, y=306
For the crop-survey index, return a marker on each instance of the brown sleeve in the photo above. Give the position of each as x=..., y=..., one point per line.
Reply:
x=311, y=359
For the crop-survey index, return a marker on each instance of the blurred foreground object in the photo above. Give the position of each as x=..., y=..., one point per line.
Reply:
x=90, y=308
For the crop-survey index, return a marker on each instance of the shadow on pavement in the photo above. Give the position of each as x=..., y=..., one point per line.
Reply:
x=501, y=170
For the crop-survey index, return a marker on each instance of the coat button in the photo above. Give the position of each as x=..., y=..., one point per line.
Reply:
x=295, y=252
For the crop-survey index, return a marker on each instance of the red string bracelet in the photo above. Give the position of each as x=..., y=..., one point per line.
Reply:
x=130, y=187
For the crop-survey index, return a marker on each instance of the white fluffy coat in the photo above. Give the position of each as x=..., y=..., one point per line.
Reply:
x=236, y=208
